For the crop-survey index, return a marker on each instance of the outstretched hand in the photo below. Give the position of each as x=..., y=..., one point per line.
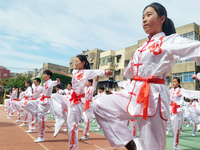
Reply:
x=193, y=77
x=109, y=73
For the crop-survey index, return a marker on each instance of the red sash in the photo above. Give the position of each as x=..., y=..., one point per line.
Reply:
x=13, y=99
x=174, y=107
x=43, y=97
x=76, y=98
x=143, y=95
x=87, y=104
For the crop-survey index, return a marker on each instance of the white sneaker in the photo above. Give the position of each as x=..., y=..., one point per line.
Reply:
x=193, y=134
x=6, y=109
x=176, y=148
x=58, y=125
x=198, y=127
x=18, y=121
x=65, y=130
x=30, y=131
x=23, y=125
x=10, y=117
x=40, y=139
x=85, y=137
x=188, y=125
x=93, y=121
x=98, y=129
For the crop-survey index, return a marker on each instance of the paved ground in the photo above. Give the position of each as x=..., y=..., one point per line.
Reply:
x=13, y=137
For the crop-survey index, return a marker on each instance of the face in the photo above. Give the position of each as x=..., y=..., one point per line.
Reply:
x=88, y=84
x=57, y=89
x=20, y=90
x=152, y=23
x=45, y=77
x=36, y=82
x=100, y=90
x=175, y=83
x=26, y=84
x=69, y=87
x=79, y=65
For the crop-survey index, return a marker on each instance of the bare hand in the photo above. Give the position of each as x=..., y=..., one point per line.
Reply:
x=109, y=73
x=193, y=77
x=96, y=78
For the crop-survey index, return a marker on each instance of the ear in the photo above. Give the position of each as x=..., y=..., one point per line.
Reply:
x=163, y=18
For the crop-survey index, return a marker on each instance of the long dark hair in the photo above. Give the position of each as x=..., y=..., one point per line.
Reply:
x=168, y=25
x=83, y=58
x=178, y=80
x=30, y=84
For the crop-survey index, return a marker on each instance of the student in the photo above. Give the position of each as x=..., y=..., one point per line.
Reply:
x=59, y=90
x=21, y=96
x=21, y=104
x=32, y=104
x=147, y=100
x=176, y=98
x=44, y=104
x=13, y=97
x=79, y=79
x=89, y=91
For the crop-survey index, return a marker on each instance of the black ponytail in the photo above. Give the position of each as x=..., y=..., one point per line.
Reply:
x=83, y=58
x=168, y=25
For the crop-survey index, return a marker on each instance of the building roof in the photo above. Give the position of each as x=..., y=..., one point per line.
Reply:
x=2, y=67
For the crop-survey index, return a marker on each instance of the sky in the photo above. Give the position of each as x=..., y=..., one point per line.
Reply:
x=33, y=32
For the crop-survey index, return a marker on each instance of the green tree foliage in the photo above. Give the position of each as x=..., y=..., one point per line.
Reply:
x=18, y=82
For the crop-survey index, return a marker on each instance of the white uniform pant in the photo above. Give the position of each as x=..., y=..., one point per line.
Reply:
x=60, y=106
x=74, y=115
x=13, y=105
x=42, y=118
x=134, y=128
x=111, y=111
x=195, y=114
x=176, y=123
x=19, y=105
x=86, y=117
x=6, y=103
x=32, y=107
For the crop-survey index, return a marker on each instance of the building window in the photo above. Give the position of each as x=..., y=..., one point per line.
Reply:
x=185, y=76
x=71, y=70
x=126, y=63
x=118, y=59
x=183, y=61
x=167, y=81
x=5, y=74
x=117, y=73
x=107, y=59
x=58, y=69
x=91, y=65
x=189, y=35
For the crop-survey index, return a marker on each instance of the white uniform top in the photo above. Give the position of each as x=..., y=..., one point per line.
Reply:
x=124, y=83
x=68, y=93
x=13, y=94
x=176, y=96
x=60, y=92
x=90, y=90
x=80, y=77
x=191, y=94
x=47, y=91
x=156, y=58
x=195, y=104
x=28, y=92
x=198, y=76
x=99, y=95
x=21, y=95
x=37, y=90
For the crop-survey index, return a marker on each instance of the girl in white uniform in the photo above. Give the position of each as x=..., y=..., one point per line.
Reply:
x=148, y=99
x=176, y=98
x=21, y=96
x=32, y=104
x=79, y=79
x=13, y=98
x=89, y=91
x=44, y=104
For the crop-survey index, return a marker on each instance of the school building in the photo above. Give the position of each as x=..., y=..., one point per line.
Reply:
x=117, y=61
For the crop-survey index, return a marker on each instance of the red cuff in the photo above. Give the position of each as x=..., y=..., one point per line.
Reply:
x=105, y=72
x=196, y=77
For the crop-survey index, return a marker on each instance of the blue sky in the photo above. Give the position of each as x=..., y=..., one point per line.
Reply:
x=34, y=32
